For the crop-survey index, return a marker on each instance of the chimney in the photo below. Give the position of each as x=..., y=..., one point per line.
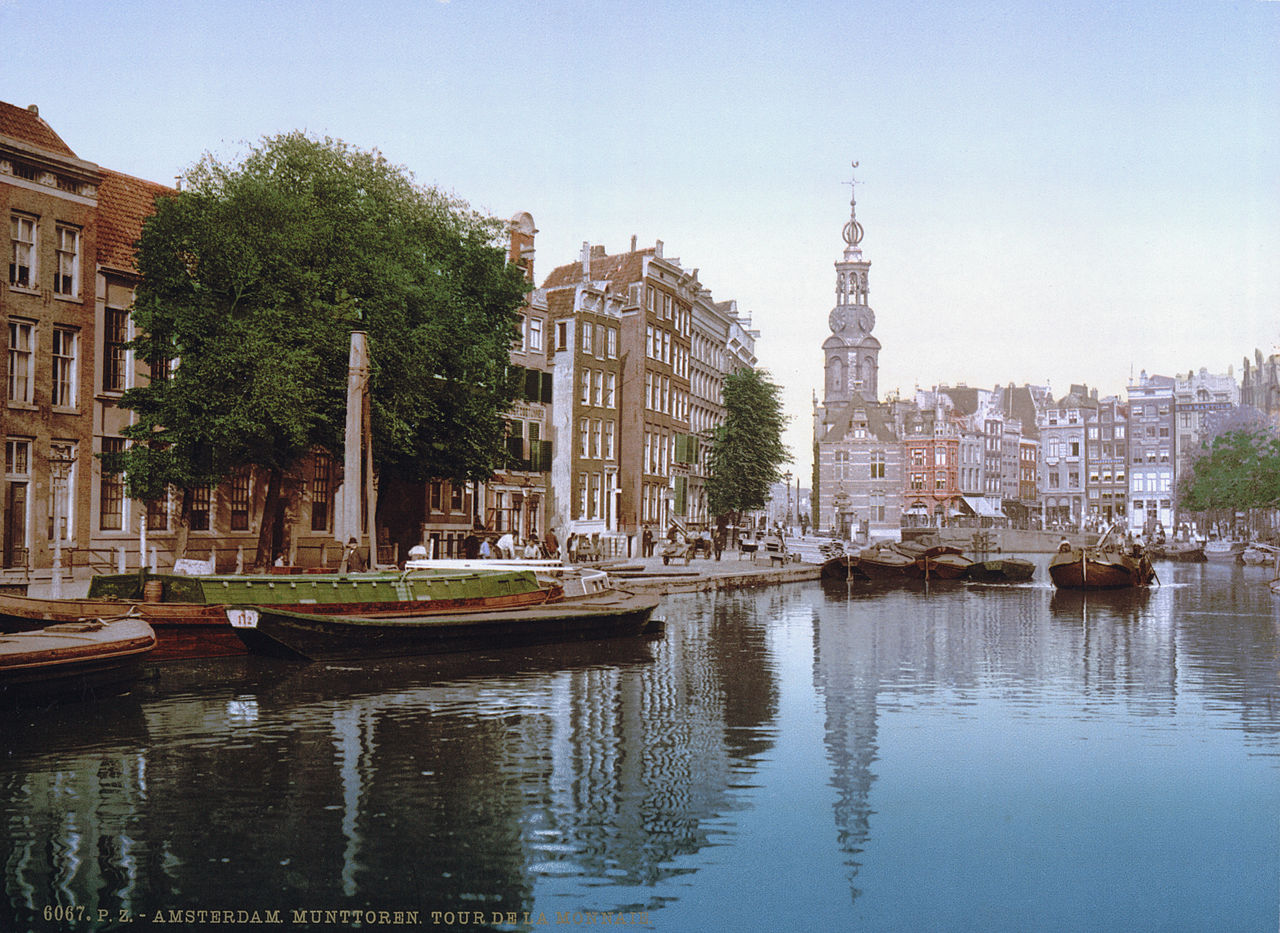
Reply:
x=633, y=242
x=34, y=109
x=586, y=260
x=657, y=249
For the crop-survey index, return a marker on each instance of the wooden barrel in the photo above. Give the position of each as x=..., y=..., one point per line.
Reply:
x=152, y=590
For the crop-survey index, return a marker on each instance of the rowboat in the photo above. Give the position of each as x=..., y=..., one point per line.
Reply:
x=1259, y=555
x=1223, y=549
x=73, y=657
x=339, y=635
x=1184, y=552
x=1100, y=568
x=189, y=614
x=1001, y=570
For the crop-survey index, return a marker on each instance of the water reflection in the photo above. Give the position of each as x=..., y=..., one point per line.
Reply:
x=605, y=777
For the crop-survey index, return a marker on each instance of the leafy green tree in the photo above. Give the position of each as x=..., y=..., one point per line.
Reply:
x=254, y=274
x=1237, y=469
x=746, y=450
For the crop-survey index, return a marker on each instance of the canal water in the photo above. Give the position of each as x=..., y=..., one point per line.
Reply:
x=794, y=758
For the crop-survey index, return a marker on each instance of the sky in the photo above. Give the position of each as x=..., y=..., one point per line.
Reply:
x=1051, y=193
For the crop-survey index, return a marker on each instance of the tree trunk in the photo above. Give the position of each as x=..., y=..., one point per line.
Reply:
x=272, y=509
x=184, y=526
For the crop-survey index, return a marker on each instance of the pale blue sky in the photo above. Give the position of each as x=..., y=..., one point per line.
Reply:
x=1067, y=192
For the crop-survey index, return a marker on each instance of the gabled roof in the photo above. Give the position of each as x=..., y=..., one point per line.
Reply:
x=25, y=125
x=1019, y=403
x=963, y=398
x=124, y=203
x=620, y=269
x=879, y=423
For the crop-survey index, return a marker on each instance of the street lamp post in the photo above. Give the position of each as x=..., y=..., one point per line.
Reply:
x=786, y=478
x=60, y=467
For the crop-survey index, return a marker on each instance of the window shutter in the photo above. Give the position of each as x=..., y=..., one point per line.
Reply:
x=546, y=388
x=682, y=495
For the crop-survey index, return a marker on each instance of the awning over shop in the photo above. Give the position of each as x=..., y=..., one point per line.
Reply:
x=984, y=508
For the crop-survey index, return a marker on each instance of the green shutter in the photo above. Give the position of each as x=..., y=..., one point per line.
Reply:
x=682, y=495
x=546, y=389
x=532, y=385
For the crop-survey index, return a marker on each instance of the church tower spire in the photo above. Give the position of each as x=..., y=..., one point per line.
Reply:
x=851, y=353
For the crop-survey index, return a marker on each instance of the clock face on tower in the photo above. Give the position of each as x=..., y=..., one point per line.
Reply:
x=839, y=319
x=865, y=318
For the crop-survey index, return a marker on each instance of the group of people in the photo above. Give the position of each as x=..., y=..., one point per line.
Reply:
x=505, y=546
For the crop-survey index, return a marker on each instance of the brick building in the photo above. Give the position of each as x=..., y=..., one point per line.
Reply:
x=655, y=447
x=49, y=197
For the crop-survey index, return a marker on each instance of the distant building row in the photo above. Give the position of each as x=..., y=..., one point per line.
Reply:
x=1013, y=455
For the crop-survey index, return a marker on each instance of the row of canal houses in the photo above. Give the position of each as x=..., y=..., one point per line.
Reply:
x=621, y=360
x=1019, y=456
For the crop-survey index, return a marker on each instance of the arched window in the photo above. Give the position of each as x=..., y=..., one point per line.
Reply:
x=835, y=374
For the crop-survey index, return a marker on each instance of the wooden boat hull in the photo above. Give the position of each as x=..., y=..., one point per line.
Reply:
x=844, y=567
x=343, y=636
x=1002, y=570
x=1228, y=551
x=884, y=564
x=1091, y=569
x=190, y=620
x=183, y=630
x=73, y=657
x=942, y=565
x=1192, y=554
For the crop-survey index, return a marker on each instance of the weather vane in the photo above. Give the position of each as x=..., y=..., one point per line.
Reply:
x=853, y=229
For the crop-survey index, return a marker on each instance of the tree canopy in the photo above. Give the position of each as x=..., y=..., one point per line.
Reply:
x=253, y=276
x=1237, y=469
x=746, y=450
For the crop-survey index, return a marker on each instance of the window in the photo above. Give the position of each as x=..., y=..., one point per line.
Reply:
x=64, y=368
x=66, y=281
x=588, y=337
x=608, y=440
x=200, y=500
x=586, y=387
x=21, y=364
x=455, y=488
x=158, y=514
x=610, y=389
x=240, y=501
x=111, y=489
x=584, y=437
x=321, y=471
x=562, y=335
x=535, y=333
x=597, y=385
x=611, y=346
x=841, y=464
x=877, y=464
x=17, y=468
x=22, y=255
x=114, y=355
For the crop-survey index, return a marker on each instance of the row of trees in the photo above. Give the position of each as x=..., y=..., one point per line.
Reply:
x=253, y=276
